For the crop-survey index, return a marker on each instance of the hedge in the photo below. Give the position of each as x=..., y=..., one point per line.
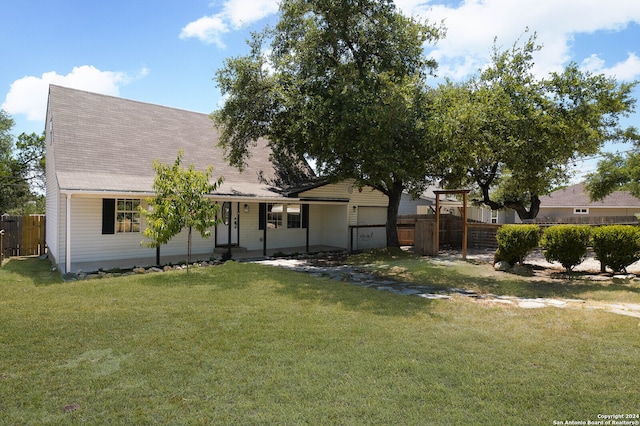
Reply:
x=616, y=246
x=515, y=242
x=566, y=244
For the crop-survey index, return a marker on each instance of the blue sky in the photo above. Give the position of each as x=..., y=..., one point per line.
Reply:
x=167, y=52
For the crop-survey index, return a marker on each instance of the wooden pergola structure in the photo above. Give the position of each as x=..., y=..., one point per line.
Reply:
x=464, y=193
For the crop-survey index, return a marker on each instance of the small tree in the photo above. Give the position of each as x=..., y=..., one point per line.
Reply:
x=180, y=203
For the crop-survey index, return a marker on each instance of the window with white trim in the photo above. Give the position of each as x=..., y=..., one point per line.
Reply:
x=294, y=216
x=274, y=215
x=127, y=215
x=581, y=210
x=494, y=216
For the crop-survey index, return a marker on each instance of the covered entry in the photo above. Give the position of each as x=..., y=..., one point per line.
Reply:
x=228, y=229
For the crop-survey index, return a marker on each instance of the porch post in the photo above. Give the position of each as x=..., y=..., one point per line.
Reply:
x=437, y=232
x=264, y=231
x=68, y=236
x=464, y=226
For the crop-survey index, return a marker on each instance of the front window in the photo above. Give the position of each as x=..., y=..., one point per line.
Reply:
x=581, y=210
x=494, y=216
x=294, y=216
x=274, y=215
x=127, y=215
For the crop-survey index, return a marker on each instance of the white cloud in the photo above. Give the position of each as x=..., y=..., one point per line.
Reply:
x=473, y=25
x=234, y=15
x=207, y=29
x=28, y=95
x=626, y=71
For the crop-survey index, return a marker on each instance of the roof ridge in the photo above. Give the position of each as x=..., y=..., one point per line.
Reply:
x=120, y=98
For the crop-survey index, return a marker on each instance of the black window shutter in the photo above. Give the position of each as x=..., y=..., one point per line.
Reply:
x=108, y=216
x=305, y=215
x=262, y=215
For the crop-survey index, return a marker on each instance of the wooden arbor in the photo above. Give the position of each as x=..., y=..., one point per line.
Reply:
x=436, y=234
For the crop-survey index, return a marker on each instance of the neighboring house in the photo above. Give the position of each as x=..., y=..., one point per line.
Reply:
x=572, y=205
x=420, y=205
x=99, y=155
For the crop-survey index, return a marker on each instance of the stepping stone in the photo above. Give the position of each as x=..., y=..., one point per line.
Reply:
x=531, y=304
x=503, y=301
x=555, y=303
x=433, y=296
x=408, y=292
x=624, y=312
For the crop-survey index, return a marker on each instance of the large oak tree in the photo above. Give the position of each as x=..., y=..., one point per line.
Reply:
x=517, y=135
x=343, y=84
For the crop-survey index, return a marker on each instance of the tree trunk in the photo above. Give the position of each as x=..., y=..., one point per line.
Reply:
x=522, y=211
x=394, y=195
x=188, y=248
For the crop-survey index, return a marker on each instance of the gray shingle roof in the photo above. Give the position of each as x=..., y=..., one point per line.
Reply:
x=576, y=196
x=105, y=143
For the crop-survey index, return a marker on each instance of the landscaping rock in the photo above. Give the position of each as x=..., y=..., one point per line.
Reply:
x=624, y=277
x=139, y=270
x=520, y=270
x=502, y=265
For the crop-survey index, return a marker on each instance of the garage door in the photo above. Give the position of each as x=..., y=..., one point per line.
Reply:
x=370, y=232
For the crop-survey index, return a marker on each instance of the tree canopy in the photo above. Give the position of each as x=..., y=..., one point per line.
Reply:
x=180, y=203
x=616, y=172
x=21, y=170
x=342, y=84
x=517, y=135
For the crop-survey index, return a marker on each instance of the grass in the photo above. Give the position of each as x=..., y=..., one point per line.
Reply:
x=480, y=277
x=250, y=344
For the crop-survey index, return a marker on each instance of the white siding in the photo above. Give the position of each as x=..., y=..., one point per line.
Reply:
x=345, y=190
x=328, y=225
x=323, y=224
x=336, y=221
x=53, y=201
x=88, y=244
x=370, y=237
x=250, y=236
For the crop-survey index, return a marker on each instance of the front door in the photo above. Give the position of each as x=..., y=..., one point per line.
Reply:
x=228, y=227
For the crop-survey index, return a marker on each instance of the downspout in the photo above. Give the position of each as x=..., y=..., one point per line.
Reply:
x=67, y=243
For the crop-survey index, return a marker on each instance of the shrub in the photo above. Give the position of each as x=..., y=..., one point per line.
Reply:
x=566, y=244
x=616, y=246
x=516, y=241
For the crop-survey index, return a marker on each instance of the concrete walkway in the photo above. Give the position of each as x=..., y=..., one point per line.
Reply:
x=354, y=276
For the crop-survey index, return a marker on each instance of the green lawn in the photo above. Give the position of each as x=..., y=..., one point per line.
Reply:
x=249, y=344
x=481, y=277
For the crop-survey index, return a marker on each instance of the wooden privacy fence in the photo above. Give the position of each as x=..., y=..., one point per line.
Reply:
x=419, y=231
x=587, y=220
x=23, y=235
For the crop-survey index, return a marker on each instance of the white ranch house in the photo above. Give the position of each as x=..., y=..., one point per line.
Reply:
x=99, y=155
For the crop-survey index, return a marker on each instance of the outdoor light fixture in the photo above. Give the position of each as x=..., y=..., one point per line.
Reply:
x=246, y=208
